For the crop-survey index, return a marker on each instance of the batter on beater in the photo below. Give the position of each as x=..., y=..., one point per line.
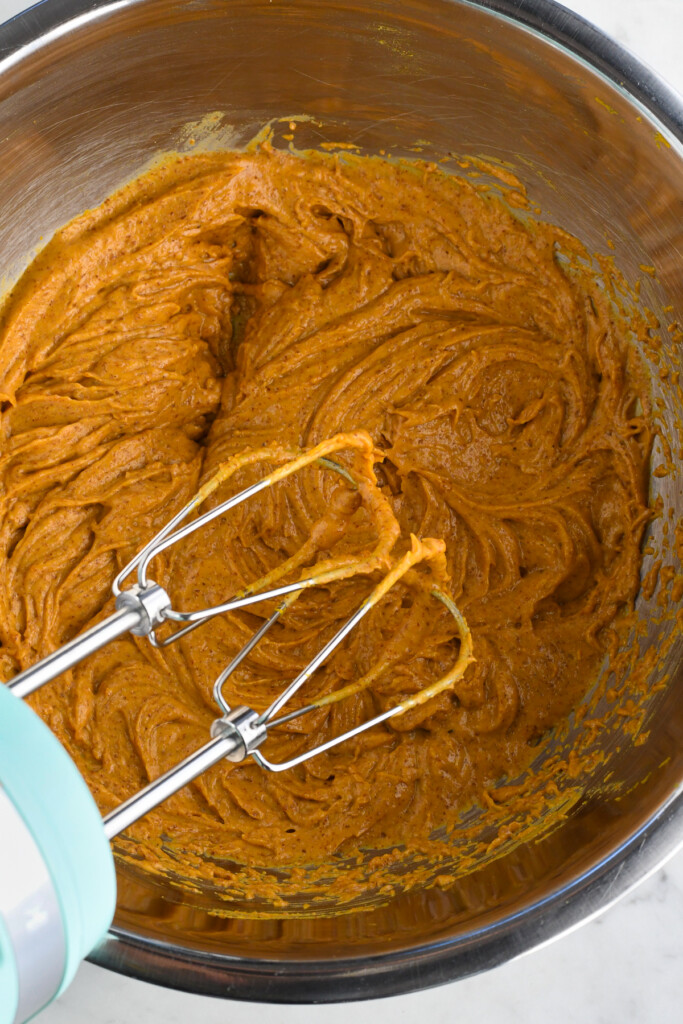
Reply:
x=226, y=301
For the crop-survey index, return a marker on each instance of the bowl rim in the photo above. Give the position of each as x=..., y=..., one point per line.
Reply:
x=570, y=905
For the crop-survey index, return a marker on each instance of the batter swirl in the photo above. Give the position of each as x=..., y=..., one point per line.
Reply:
x=233, y=300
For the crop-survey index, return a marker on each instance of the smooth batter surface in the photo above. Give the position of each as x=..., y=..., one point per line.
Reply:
x=224, y=302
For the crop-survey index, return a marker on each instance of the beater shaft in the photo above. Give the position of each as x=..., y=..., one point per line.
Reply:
x=138, y=610
x=66, y=657
x=235, y=736
x=168, y=784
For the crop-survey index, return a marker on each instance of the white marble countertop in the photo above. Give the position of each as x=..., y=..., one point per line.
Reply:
x=625, y=966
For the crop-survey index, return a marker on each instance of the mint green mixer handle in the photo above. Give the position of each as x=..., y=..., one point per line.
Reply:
x=57, y=881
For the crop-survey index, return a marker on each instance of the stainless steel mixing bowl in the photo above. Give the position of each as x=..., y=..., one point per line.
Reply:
x=88, y=93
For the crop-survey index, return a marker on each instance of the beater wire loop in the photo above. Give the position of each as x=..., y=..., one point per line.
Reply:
x=420, y=551
x=262, y=589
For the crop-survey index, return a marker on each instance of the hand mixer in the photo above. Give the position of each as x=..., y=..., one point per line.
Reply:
x=57, y=881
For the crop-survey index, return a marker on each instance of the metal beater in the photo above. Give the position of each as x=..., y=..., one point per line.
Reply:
x=57, y=877
x=143, y=606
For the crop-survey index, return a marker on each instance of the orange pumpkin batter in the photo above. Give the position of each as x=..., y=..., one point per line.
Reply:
x=228, y=301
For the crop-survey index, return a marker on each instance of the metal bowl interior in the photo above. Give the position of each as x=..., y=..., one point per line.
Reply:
x=89, y=95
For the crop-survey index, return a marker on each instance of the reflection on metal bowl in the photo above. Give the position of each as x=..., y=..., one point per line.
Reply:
x=87, y=96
